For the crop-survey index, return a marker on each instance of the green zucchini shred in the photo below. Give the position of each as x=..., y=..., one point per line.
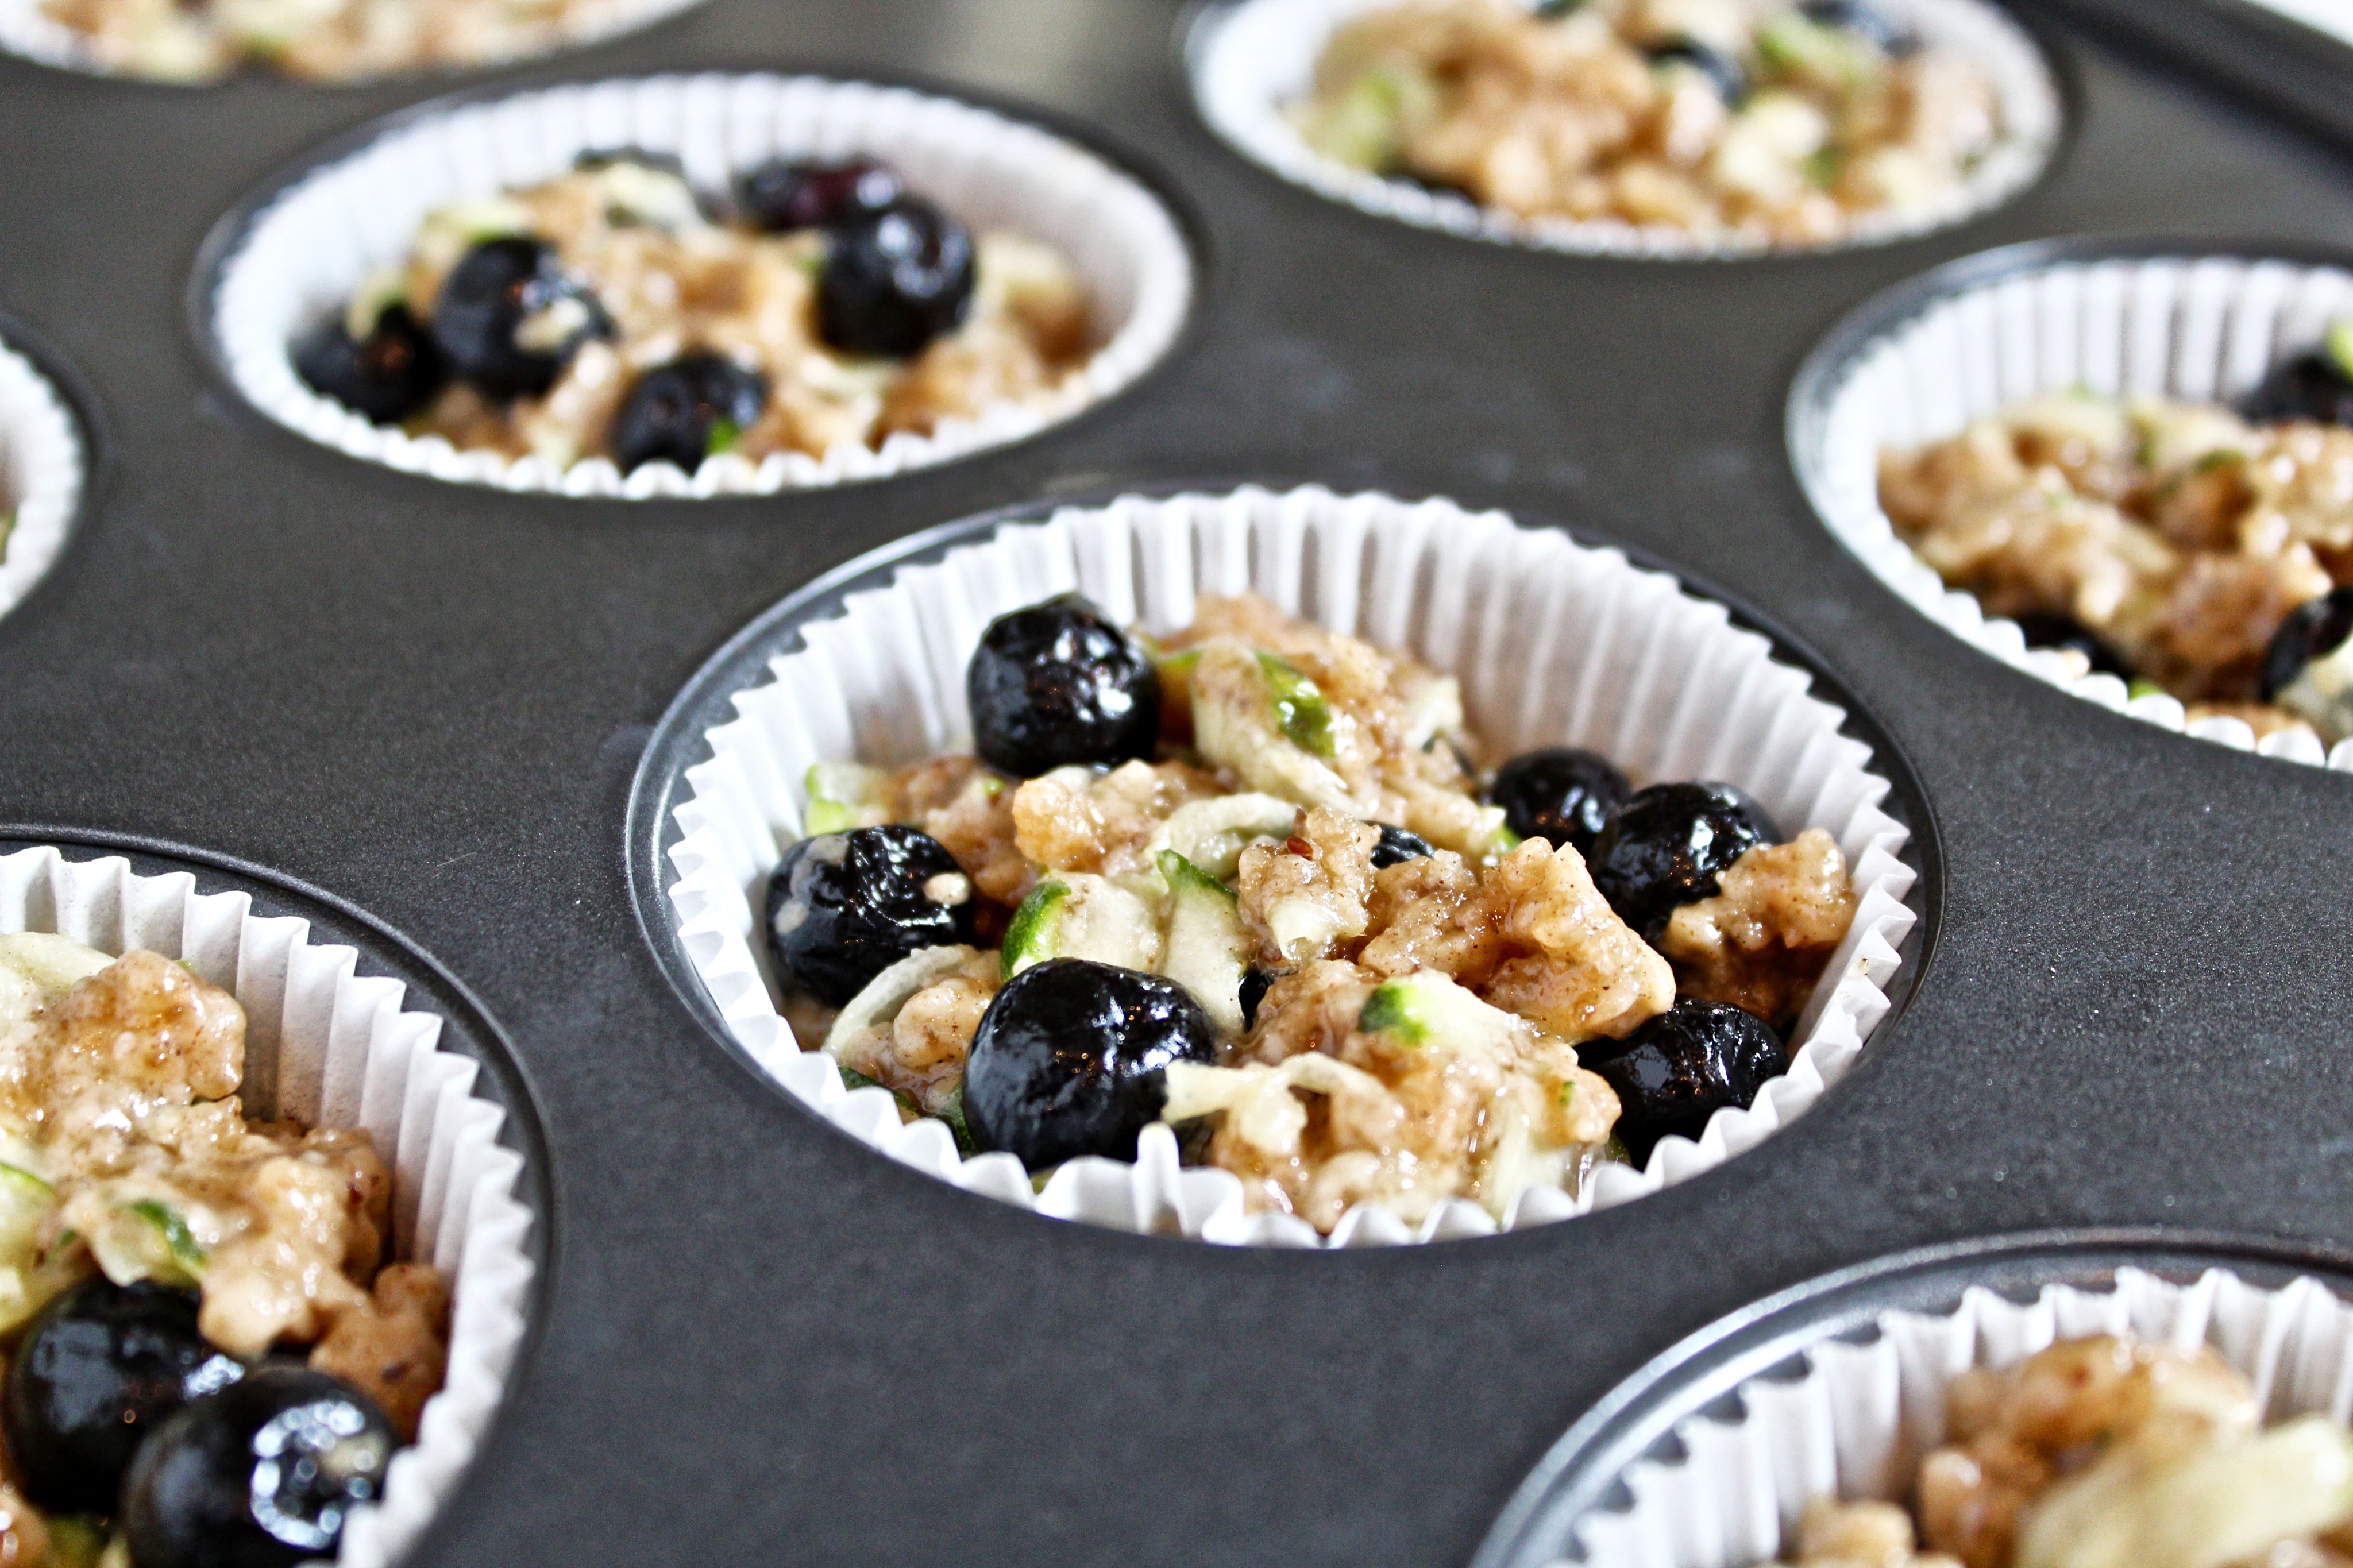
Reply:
x=1300, y=709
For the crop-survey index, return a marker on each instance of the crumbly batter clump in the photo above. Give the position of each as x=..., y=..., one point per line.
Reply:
x=1720, y=119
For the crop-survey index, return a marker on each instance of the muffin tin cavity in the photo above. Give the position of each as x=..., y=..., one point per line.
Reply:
x=1251, y=61
x=1709, y=1456
x=43, y=467
x=299, y=254
x=2115, y=319
x=332, y=1047
x=27, y=28
x=1553, y=643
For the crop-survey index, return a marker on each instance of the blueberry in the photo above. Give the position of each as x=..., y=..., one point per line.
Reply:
x=387, y=375
x=1723, y=72
x=1559, y=795
x=680, y=412
x=1666, y=846
x=261, y=1475
x=1553, y=10
x=2313, y=629
x=844, y=906
x=508, y=319
x=1396, y=847
x=1255, y=982
x=2056, y=628
x=1057, y=684
x=101, y=1367
x=1681, y=1068
x=1894, y=38
x=2310, y=386
x=785, y=195
x=1072, y=1058
x=894, y=280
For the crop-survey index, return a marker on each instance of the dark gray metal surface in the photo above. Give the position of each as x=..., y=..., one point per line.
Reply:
x=762, y=1341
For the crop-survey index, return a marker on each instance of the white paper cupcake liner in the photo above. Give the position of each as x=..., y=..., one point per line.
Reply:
x=1253, y=60
x=1921, y=364
x=333, y=1047
x=25, y=30
x=1553, y=643
x=1860, y=1418
x=305, y=253
x=42, y=469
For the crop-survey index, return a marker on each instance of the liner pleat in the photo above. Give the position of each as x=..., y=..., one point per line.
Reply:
x=332, y=1047
x=1861, y=1416
x=2202, y=328
x=1553, y=643
x=306, y=251
x=42, y=470
x=1251, y=60
x=26, y=30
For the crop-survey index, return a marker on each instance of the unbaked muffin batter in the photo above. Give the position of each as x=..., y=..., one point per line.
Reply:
x=1720, y=119
x=1251, y=881
x=2189, y=548
x=615, y=312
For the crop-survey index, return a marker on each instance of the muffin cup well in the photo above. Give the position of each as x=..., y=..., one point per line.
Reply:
x=308, y=247
x=1250, y=61
x=42, y=471
x=332, y=1047
x=2118, y=318
x=25, y=30
x=1553, y=643
x=1867, y=1403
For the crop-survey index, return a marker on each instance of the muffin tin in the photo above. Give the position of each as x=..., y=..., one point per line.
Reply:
x=2122, y=1007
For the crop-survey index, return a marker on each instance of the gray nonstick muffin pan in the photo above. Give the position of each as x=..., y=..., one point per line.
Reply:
x=2126, y=1006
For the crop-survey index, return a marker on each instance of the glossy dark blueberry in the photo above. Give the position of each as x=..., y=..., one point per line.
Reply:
x=508, y=319
x=388, y=375
x=1553, y=10
x=1057, y=684
x=1255, y=982
x=1560, y=794
x=2054, y=629
x=1679, y=1069
x=1396, y=847
x=676, y=412
x=894, y=280
x=1072, y=1058
x=100, y=1369
x=261, y=1475
x=2313, y=629
x=2310, y=386
x=1666, y=846
x=1731, y=82
x=785, y=195
x=1864, y=20
x=844, y=906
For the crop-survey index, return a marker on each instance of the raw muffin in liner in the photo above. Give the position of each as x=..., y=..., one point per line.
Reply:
x=1252, y=59
x=333, y=1047
x=1919, y=363
x=26, y=30
x=1553, y=643
x=305, y=251
x=42, y=469
x=1858, y=1419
